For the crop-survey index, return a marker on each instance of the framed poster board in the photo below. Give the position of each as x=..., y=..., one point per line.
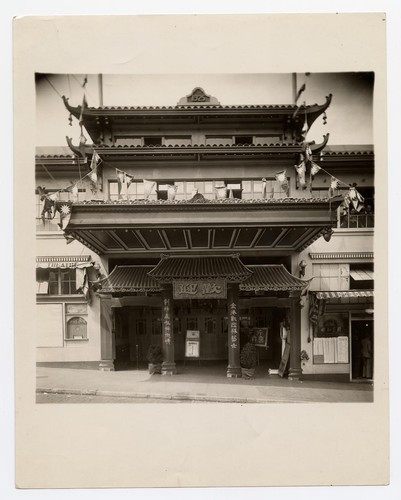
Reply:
x=259, y=336
x=192, y=349
x=284, y=360
x=192, y=344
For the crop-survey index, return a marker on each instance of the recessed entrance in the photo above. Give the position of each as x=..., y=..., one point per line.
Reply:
x=362, y=349
x=137, y=327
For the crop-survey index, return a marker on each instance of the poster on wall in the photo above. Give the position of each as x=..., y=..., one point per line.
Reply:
x=259, y=336
x=192, y=342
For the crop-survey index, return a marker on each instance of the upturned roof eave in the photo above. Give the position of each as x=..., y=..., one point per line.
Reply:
x=274, y=109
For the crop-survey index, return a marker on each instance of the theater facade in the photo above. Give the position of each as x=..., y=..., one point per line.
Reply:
x=200, y=227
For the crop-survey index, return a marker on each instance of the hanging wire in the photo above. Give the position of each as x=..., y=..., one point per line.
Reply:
x=53, y=87
x=48, y=173
x=69, y=85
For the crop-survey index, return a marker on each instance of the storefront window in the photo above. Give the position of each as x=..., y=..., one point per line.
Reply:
x=59, y=281
x=331, y=339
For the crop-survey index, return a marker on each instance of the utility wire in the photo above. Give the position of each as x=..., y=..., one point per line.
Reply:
x=54, y=88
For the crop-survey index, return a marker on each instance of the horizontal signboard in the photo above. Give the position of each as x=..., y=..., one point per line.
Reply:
x=200, y=289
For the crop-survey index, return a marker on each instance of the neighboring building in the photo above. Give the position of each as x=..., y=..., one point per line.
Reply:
x=196, y=232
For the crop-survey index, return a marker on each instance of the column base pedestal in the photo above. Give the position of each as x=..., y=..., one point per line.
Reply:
x=234, y=372
x=106, y=365
x=169, y=369
x=294, y=373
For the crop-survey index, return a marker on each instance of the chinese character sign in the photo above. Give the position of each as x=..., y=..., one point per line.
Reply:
x=233, y=325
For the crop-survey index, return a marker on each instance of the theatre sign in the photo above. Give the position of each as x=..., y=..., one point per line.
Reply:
x=200, y=289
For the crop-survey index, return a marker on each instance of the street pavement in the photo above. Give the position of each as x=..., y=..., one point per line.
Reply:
x=191, y=384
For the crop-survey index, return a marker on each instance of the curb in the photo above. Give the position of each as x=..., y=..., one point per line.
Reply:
x=174, y=397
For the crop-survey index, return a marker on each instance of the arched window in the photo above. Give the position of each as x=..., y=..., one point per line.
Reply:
x=76, y=328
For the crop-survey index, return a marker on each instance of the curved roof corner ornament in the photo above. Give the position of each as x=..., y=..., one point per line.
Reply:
x=80, y=151
x=315, y=111
x=317, y=148
x=75, y=111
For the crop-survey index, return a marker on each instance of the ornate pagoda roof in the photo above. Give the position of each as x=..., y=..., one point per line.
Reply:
x=129, y=279
x=125, y=280
x=274, y=278
x=173, y=267
x=290, y=115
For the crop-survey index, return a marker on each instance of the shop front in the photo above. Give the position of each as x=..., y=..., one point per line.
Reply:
x=205, y=309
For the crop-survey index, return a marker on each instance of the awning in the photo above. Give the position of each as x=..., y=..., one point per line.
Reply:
x=129, y=279
x=73, y=262
x=272, y=278
x=345, y=294
x=361, y=274
x=227, y=267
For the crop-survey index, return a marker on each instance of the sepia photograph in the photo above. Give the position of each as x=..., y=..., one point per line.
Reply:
x=200, y=214
x=205, y=238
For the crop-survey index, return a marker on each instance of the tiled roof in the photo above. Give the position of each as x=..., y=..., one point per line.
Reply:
x=272, y=278
x=289, y=107
x=205, y=201
x=129, y=279
x=184, y=267
x=195, y=146
x=348, y=150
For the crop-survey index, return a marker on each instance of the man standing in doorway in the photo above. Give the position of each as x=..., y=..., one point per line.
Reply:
x=366, y=351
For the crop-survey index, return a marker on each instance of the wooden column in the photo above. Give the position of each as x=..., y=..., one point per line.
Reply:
x=168, y=365
x=107, y=336
x=234, y=367
x=295, y=370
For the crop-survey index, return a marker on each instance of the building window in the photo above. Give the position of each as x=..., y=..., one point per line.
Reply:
x=350, y=218
x=234, y=189
x=76, y=328
x=219, y=140
x=179, y=140
x=253, y=189
x=152, y=141
x=243, y=139
x=328, y=277
x=56, y=281
x=135, y=191
x=331, y=339
x=361, y=277
x=128, y=140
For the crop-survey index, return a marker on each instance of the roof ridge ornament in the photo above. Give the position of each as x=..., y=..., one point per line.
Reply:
x=198, y=97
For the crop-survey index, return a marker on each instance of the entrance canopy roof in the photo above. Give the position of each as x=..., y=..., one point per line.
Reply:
x=200, y=267
x=126, y=280
x=130, y=279
x=276, y=226
x=272, y=278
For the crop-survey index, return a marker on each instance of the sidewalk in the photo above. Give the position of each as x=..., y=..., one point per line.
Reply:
x=194, y=383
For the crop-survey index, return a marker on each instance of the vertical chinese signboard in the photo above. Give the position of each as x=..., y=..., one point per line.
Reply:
x=233, y=325
x=234, y=368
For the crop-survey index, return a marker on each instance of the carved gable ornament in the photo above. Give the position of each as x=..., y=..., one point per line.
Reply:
x=198, y=96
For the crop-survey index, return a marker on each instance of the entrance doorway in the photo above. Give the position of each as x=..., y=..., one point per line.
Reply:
x=138, y=327
x=362, y=349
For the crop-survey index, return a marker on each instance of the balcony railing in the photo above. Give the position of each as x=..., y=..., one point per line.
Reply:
x=356, y=220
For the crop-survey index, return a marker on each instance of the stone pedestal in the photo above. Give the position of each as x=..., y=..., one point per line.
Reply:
x=168, y=365
x=295, y=370
x=234, y=367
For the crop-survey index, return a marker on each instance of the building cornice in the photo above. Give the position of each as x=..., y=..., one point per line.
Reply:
x=341, y=255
